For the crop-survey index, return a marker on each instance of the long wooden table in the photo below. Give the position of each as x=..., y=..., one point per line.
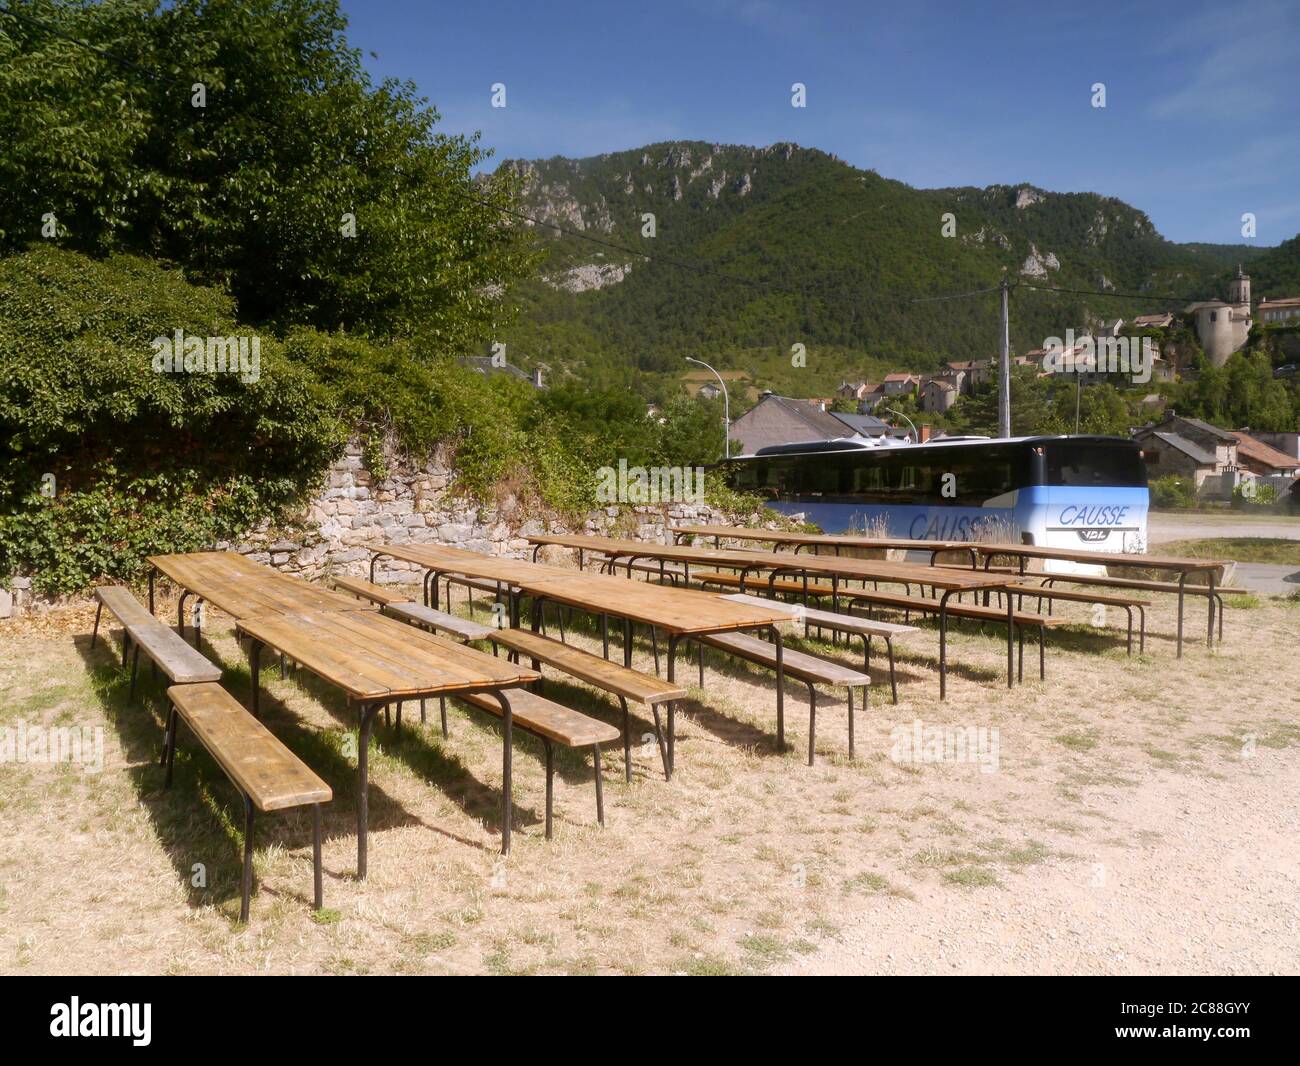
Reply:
x=377, y=661
x=947, y=581
x=373, y=659
x=837, y=541
x=680, y=613
x=1184, y=567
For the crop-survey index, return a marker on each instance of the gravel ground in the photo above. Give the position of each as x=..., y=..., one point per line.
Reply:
x=1211, y=887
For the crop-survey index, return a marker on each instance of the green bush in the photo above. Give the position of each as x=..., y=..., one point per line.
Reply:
x=196, y=455
x=1173, y=491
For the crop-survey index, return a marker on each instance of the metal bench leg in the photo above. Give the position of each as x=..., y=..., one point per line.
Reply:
x=319, y=897
x=600, y=793
x=1142, y=630
x=368, y=712
x=94, y=633
x=659, y=739
x=700, y=649
x=169, y=743
x=654, y=644
x=135, y=669
x=893, y=680
x=1129, y=643
x=864, y=700
x=126, y=645
x=442, y=709
x=248, y=860
x=423, y=717
x=812, y=720
x=1042, y=657
x=604, y=634
x=627, y=741
x=399, y=717
x=1020, y=667
x=550, y=783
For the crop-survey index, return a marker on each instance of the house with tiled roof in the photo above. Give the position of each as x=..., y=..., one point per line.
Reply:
x=1263, y=459
x=1191, y=448
x=937, y=395
x=1283, y=312
x=901, y=384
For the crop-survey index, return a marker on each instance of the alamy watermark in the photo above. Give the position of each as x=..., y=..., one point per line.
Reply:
x=654, y=484
x=78, y=745
x=181, y=354
x=920, y=743
x=1100, y=355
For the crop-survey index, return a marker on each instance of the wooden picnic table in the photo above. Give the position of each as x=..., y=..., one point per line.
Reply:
x=241, y=588
x=377, y=661
x=1183, y=566
x=374, y=660
x=680, y=613
x=943, y=579
x=838, y=541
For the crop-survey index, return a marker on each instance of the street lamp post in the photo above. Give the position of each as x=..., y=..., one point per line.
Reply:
x=916, y=437
x=726, y=406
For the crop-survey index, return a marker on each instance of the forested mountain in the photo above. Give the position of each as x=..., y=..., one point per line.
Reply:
x=775, y=246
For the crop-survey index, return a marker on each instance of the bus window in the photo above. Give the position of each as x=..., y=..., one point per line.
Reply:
x=1084, y=464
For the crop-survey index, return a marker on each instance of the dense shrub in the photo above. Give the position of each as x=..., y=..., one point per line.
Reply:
x=196, y=455
x=1173, y=491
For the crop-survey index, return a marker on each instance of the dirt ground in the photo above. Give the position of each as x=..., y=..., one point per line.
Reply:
x=1127, y=815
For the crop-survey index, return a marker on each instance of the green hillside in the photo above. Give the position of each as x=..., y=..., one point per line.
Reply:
x=783, y=245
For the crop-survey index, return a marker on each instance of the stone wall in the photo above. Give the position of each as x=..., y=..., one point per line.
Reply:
x=413, y=505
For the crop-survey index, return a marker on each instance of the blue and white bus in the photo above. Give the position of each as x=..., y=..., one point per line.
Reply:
x=1061, y=492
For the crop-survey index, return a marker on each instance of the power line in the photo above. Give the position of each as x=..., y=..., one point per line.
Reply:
x=955, y=295
x=1102, y=292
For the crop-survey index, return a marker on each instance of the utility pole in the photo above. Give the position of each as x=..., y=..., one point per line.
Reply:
x=1004, y=364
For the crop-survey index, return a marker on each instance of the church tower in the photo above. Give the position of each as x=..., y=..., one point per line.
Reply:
x=1239, y=289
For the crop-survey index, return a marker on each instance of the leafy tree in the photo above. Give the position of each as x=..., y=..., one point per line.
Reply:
x=259, y=189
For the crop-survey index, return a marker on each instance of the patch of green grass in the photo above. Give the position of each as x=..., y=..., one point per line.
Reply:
x=766, y=948
x=707, y=966
x=1240, y=549
x=1085, y=741
x=972, y=877
x=327, y=916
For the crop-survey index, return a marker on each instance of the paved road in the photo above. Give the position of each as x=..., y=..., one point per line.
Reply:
x=1165, y=526
x=1268, y=578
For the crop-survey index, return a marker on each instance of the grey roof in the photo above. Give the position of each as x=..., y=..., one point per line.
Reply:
x=1205, y=427
x=825, y=423
x=1185, y=446
x=865, y=425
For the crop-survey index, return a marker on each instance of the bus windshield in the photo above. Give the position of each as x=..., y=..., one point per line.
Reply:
x=1093, y=463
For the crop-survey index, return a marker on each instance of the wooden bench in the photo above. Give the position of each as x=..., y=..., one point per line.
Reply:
x=924, y=605
x=1126, y=603
x=810, y=669
x=1143, y=584
x=141, y=631
x=268, y=775
x=866, y=628
x=621, y=681
x=552, y=724
x=381, y=595
x=661, y=570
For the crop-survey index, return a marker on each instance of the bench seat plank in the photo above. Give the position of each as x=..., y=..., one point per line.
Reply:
x=418, y=614
x=847, y=623
x=595, y=670
x=1140, y=583
x=368, y=590
x=267, y=772
x=798, y=664
x=123, y=605
x=546, y=718
x=182, y=663
x=1075, y=596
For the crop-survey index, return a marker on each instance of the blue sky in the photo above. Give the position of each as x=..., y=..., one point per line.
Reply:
x=1201, y=124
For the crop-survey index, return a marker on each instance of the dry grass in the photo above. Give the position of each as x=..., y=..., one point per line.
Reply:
x=747, y=859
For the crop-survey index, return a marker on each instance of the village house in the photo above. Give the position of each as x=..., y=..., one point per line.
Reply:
x=902, y=384
x=1190, y=448
x=1284, y=312
x=853, y=390
x=786, y=420
x=937, y=395
x=1262, y=459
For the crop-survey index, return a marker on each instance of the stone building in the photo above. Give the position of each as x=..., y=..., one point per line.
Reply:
x=1222, y=326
